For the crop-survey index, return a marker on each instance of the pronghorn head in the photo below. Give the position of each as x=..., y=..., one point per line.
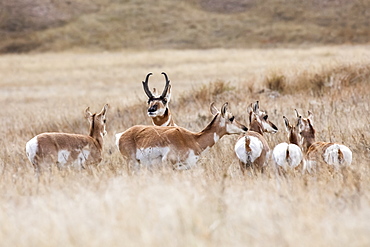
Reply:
x=157, y=104
x=227, y=120
x=97, y=120
x=292, y=130
x=260, y=118
x=306, y=129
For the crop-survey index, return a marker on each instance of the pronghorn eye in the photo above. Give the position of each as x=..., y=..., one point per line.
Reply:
x=163, y=99
x=232, y=118
x=265, y=117
x=104, y=120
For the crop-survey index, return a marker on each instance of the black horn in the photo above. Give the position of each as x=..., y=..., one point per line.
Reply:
x=145, y=85
x=167, y=85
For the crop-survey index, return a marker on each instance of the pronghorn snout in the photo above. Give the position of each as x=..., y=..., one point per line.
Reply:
x=275, y=129
x=152, y=109
x=236, y=128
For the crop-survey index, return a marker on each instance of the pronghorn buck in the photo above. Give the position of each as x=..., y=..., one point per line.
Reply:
x=252, y=149
x=158, y=108
x=316, y=153
x=288, y=155
x=155, y=145
x=64, y=149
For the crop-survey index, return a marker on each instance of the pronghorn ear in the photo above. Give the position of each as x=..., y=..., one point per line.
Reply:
x=299, y=123
x=88, y=114
x=287, y=125
x=168, y=95
x=104, y=110
x=256, y=107
x=213, y=108
x=250, y=109
x=224, y=109
x=296, y=112
x=154, y=91
x=310, y=117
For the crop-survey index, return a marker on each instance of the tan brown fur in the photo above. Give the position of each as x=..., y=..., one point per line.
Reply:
x=65, y=149
x=260, y=161
x=178, y=140
x=51, y=143
x=258, y=120
x=317, y=153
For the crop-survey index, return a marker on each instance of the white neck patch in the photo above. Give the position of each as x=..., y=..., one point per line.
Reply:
x=216, y=137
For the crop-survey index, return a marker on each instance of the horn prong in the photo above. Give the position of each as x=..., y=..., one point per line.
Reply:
x=146, y=87
x=165, y=90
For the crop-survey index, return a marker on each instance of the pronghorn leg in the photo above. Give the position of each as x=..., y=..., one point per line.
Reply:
x=284, y=171
x=37, y=172
x=252, y=170
x=246, y=168
x=278, y=168
x=262, y=169
x=133, y=167
x=242, y=167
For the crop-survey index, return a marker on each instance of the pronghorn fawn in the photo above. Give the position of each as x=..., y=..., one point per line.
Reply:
x=333, y=154
x=252, y=149
x=179, y=147
x=288, y=155
x=158, y=108
x=64, y=149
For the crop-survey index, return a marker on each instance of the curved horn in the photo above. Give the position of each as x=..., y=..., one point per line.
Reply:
x=167, y=85
x=145, y=86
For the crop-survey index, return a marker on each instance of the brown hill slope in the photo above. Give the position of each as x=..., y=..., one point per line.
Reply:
x=44, y=25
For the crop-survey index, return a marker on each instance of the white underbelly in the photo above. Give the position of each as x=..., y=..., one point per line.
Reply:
x=152, y=155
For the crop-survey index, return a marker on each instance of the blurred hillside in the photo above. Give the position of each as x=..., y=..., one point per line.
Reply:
x=58, y=25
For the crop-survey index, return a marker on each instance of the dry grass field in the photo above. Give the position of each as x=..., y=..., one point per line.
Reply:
x=211, y=204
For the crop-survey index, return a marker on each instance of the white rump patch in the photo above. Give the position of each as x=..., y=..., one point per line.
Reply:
x=31, y=149
x=295, y=154
x=63, y=156
x=118, y=136
x=256, y=147
x=279, y=155
x=331, y=156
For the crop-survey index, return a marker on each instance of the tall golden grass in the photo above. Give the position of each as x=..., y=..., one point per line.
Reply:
x=211, y=204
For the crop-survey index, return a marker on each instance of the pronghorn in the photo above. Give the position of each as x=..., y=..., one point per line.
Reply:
x=252, y=148
x=64, y=149
x=158, y=108
x=333, y=154
x=154, y=145
x=288, y=155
